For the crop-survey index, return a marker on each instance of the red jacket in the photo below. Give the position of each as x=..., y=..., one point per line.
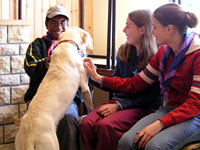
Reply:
x=183, y=91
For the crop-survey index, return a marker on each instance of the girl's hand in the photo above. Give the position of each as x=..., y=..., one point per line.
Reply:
x=148, y=132
x=107, y=109
x=90, y=67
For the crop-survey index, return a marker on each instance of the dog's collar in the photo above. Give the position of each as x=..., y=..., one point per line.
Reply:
x=70, y=41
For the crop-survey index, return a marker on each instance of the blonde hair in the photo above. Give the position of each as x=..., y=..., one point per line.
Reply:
x=148, y=45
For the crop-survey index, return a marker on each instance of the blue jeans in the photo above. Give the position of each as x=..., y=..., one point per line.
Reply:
x=171, y=138
x=73, y=110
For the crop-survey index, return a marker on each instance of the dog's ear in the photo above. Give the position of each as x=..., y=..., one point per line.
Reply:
x=87, y=39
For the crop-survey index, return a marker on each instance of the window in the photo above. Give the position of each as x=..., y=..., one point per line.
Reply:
x=192, y=6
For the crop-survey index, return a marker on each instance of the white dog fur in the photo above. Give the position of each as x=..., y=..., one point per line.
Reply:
x=56, y=92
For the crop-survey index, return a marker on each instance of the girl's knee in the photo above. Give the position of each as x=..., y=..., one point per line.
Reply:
x=104, y=124
x=126, y=142
x=121, y=143
x=156, y=145
x=85, y=122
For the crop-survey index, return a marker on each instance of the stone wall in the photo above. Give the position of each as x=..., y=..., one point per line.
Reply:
x=14, y=40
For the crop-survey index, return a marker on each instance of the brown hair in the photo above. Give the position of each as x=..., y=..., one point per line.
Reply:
x=173, y=14
x=148, y=46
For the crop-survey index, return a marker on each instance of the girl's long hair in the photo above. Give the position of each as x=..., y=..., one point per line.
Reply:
x=148, y=45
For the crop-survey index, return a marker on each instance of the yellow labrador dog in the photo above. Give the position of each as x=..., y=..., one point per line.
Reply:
x=56, y=92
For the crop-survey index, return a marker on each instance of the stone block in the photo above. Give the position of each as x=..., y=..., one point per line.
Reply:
x=23, y=48
x=4, y=64
x=23, y=109
x=18, y=34
x=8, y=114
x=10, y=133
x=10, y=146
x=9, y=49
x=9, y=80
x=18, y=93
x=4, y=95
x=17, y=64
x=24, y=79
x=3, y=34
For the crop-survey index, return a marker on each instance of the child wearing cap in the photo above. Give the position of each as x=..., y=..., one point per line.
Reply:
x=38, y=56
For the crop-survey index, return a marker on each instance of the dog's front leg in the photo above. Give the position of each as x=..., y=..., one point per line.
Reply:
x=85, y=91
x=87, y=100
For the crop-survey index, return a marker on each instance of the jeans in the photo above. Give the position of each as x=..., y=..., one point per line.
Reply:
x=73, y=110
x=171, y=138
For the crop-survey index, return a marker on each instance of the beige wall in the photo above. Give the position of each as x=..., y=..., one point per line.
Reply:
x=100, y=26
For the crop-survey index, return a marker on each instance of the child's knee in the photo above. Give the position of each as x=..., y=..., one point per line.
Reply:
x=156, y=145
x=125, y=142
